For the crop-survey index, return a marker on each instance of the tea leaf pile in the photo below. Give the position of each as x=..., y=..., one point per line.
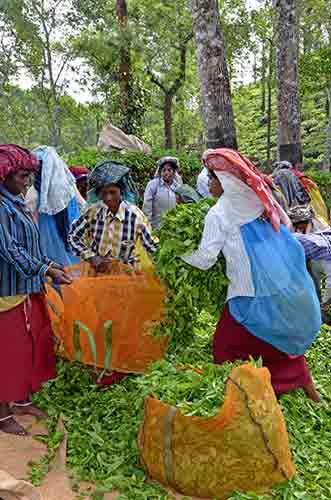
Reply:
x=102, y=424
x=190, y=290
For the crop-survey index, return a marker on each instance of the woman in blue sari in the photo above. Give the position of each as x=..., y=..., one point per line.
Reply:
x=56, y=205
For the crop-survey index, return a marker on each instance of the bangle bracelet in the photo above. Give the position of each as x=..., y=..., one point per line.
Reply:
x=47, y=269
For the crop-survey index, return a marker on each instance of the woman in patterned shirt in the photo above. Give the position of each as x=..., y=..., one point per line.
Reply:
x=109, y=229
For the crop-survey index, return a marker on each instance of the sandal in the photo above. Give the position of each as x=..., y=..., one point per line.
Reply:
x=10, y=426
x=28, y=408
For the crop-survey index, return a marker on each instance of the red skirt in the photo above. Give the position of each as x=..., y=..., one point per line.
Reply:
x=232, y=341
x=27, y=356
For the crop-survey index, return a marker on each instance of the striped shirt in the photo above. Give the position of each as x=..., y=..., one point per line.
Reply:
x=22, y=265
x=317, y=246
x=99, y=232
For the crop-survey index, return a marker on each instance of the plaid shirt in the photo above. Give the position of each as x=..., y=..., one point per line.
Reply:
x=98, y=232
x=317, y=246
x=22, y=265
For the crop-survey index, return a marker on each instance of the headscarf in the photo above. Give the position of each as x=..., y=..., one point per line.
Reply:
x=174, y=162
x=55, y=183
x=251, y=194
x=79, y=172
x=187, y=193
x=282, y=165
x=112, y=172
x=14, y=158
x=239, y=203
x=301, y=213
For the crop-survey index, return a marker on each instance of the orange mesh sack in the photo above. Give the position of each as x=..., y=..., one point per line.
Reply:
x=107, y=320
x=245, y=447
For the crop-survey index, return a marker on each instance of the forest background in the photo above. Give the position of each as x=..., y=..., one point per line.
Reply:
x=69, y=66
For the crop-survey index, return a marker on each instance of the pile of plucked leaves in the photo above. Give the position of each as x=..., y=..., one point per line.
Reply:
x=196, y=391
x=190, y=290
x=102, y=424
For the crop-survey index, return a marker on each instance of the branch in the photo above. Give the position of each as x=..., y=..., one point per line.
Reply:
x=182, y=72
x=156, y=81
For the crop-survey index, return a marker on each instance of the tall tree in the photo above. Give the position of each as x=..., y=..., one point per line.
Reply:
x=38, y=26
x=288, y=101
x=214, y=76
x=170, y=92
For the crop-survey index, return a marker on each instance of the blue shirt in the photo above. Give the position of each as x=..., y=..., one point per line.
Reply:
x=22, y=265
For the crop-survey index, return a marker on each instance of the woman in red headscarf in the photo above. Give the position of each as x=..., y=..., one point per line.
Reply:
x=26, y=355
x=81, y=175
x=272, y=309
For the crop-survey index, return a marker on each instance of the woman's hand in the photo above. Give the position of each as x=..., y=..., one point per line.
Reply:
x=54, y=265
x=59, y=276
x=100, y=264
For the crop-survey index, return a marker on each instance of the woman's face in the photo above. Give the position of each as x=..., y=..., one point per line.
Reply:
x=301, y=227
x=111, y=196
x=168, y=173
x=19, y=183
x=215, y=187
x=82, y=187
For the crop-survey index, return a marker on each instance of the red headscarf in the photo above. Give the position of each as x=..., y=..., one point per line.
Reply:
x=228, y=160
x=79, y=171
x=14, y=158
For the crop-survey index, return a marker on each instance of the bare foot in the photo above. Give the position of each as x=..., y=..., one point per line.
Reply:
x=312, y=393
x=10, y=426
x=29, y=410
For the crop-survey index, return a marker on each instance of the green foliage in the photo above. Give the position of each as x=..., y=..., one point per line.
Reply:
x=102, y=424
x=143, y=166
x=197, y=392
x=189, y=289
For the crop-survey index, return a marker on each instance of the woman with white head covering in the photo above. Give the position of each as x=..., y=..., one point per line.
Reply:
x=160, y=192
x=272, y=309
x=57, y=204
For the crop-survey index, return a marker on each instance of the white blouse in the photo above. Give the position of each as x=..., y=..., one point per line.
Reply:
x=217, y=237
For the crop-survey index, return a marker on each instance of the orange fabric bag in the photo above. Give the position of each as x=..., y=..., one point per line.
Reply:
x=107, y=320
x=245, y=447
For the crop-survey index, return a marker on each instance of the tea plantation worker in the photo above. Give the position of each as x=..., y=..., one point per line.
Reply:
x=317, y=248
x=305, y=221
x=109, y=229
x=203, y=183
x=160, y=192
x=315, y=237
x=290, y=185
x=81, y=174
x=272, y=309
x=186, y=194
x=27, y=354
x=56, y=206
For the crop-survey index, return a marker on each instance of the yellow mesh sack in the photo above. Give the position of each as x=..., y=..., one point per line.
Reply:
x=146, y=263
x=107, y=320
x=318, y=204
x=245, y=447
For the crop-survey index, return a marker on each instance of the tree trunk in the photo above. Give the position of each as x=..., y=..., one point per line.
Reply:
x=125, y=71
x=214, y=76
x=327, y=148
x=255, y=69
x=269, y=111
x=167, y=114
x=263, y=79
x=289, y=120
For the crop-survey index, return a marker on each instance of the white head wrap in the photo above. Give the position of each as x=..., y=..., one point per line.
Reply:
x=58, y=185
x=239, y=203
